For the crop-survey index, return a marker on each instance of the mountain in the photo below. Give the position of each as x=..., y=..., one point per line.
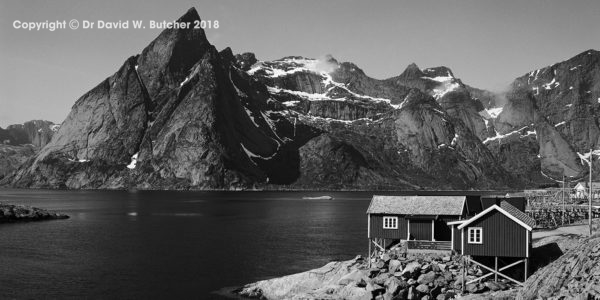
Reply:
x=20, y=142
x=181, y=115
x=36, y=132
x=550, y=119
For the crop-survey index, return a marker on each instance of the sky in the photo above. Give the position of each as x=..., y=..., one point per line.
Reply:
x=486, y=43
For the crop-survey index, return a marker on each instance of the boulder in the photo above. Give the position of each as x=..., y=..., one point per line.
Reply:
x=423, y=288
x=475, y=288
x=354, y=276
x=442, y=267
x=412, y=269
x=427, y=278
x=393, y=284
x=440, y=281
x=381, y=278
x=492, y=286
x=394, y=265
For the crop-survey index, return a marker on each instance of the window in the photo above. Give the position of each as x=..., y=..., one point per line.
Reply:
x=390, y=222
x=475, y=235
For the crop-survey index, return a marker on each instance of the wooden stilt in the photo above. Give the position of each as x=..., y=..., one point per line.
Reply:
x=369, y=257
x=496, y=268
x=526, y=268
x=499, y=273
x=464, y=277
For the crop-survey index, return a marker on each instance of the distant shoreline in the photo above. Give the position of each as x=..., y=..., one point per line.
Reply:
x=10, y=213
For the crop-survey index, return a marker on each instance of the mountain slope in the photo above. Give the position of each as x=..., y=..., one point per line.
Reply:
x=181, y=115
x=559, y=104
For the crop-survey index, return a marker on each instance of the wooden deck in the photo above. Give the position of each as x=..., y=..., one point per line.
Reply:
x=430, y=245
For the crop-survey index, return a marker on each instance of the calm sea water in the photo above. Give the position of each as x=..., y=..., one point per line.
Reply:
x=133, y=245
x=169, y=244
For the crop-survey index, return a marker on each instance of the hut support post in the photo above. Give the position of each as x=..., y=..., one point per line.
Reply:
x=526, y=267
x=464, y=275
x=369, y=257
x=499, y=272
x=496, y=268
x=432, y=230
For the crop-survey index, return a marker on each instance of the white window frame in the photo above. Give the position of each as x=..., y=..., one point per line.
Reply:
x=390, y=222
x=474, y=240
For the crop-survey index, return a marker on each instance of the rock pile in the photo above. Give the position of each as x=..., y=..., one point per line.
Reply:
x=425, y=276
x=392, y=276
x=575, y=274
x=14, y=213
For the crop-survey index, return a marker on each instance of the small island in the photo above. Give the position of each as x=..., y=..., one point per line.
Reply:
x=21, y=213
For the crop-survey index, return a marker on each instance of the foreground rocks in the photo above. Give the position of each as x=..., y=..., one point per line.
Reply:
x=422, y=276
x=575, y=274
x=17, y=213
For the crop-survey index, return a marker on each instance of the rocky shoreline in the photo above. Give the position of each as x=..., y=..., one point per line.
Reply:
x=21, y=213
x=413, y=276
x=571, y=271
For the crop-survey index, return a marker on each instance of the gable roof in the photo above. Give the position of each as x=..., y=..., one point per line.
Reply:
x=515, y=214
x=417, y=205
x=586, y=185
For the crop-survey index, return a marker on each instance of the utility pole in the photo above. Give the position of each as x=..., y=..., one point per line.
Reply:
x=563, y=200
x=590, y=202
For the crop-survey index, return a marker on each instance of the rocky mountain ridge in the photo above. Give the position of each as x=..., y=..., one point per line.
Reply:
x=182, y=115
x=20, y=142
x=36, y=132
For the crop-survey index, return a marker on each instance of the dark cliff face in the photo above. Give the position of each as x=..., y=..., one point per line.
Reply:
x=36, y=132
x=181, y=115
x=559, y=104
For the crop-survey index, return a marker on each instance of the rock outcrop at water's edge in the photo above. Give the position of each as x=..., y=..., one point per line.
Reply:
x=20, y=213
x=563, y=266
x=417, y=276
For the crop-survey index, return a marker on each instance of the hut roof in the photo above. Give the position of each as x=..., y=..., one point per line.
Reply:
x=417, y=205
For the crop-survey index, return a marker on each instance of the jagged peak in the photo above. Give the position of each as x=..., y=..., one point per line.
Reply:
x=351, y=67
x=190, y=16
x=245, y=60
x=412, y=71
x=175, y=50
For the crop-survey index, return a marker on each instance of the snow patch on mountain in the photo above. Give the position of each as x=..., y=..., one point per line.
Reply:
x=509, y=134
x=494, y=112
x=78, y=160
x=446, y=84
x=551, y=84
x=291, y=65
x=133, y=162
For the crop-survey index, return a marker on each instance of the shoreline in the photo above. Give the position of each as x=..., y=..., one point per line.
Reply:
x=412, y=276
x=10, y=213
